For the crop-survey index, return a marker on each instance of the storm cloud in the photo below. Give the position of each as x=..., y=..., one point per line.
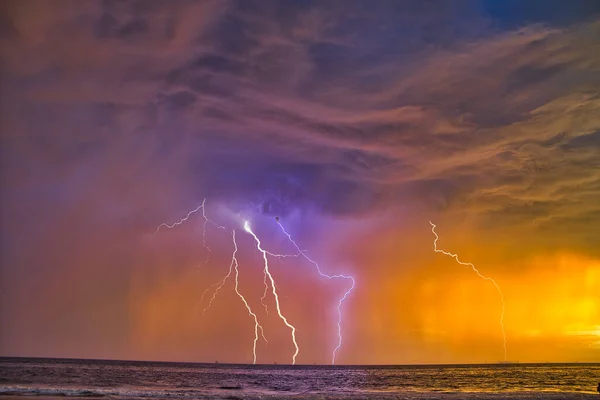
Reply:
x=118, y=115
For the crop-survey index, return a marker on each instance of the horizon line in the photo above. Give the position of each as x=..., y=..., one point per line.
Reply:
x=216, y=362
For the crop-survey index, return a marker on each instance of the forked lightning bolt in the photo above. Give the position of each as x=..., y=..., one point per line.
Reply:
x=268, y=279
x=257, y=326
x=234, y=267
x=433, y=226
x=248, y=229
x=266, y=284
x=339, y=276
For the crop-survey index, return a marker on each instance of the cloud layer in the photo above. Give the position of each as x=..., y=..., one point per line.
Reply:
x=118, y=115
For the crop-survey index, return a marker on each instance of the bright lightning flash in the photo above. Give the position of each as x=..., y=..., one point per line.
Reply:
x=266, y=284
x=339, y=276
x=268, y=278
x=256, y=324
x=248, y=229
x=433, y=226
x=234, y=267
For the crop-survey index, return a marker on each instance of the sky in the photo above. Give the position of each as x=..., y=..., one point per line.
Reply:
x=353, y=124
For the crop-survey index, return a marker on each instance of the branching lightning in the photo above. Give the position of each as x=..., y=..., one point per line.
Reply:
x=268, y=279
x=248, y=229
x=455, y=256
x=266, y=284
x=187, y=217
x=233, y=266
x=257, y=326
x=339, y=276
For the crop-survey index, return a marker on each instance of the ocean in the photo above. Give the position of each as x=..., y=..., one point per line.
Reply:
x=159, y=380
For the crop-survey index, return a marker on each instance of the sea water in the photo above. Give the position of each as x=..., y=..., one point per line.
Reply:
x=133, y=379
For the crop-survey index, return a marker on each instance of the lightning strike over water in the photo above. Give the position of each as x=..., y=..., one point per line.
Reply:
x=455, y=256
x=268, y=280
x=330, y=277
x=233, y=266
x=273, y=289
x=257, y=326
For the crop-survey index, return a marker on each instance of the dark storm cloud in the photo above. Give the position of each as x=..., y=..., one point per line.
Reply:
x=346, y=107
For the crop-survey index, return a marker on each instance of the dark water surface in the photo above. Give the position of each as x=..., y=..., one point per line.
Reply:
x=132, y=379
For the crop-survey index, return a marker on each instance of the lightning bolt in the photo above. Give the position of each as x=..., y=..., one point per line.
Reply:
x=330, y=277
x=268, y=279
x=233, y=266
x=264, y=296
x=187, y=217
x=181, y=221
x=257, y=326
x=266, y=284
x=219, y=284
x=248, y=229
x=433, y=226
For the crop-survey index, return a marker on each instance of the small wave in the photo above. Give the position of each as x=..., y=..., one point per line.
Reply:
x=223, y=391
x=66, y=392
